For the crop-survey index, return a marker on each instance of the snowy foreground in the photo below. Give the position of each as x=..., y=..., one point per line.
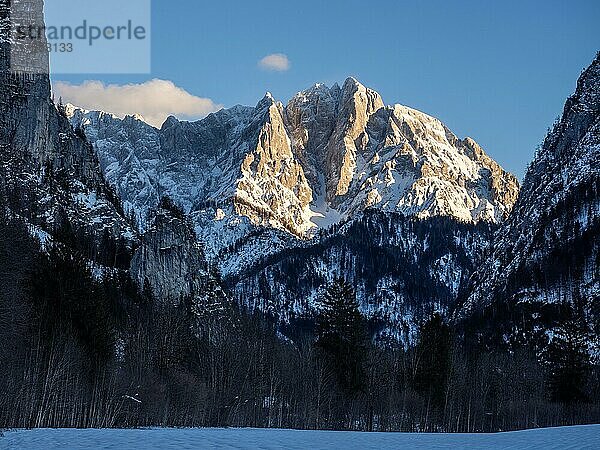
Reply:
x=580, y=437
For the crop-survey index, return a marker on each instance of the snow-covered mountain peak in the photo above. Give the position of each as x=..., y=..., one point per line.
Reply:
x=329, y=153
x=75, y=113
x=354, y=91
x=137, y=117
x=266, y=101
x=317, y=93
x=587, y=94
x=352, y=84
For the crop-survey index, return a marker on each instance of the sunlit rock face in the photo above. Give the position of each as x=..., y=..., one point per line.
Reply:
x=272, y=189
x=326, y=156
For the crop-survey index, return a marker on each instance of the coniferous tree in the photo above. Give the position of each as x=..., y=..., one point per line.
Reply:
x=341, y=335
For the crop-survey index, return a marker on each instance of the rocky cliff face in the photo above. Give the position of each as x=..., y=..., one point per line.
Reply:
x=168, y=258
x=49, y=174
x=350, y=138
x=546, y=256
x=130, y=165
x=52, y=178
x=171, y=263
x=413, y=164
x=272, y=189
x=327, y=156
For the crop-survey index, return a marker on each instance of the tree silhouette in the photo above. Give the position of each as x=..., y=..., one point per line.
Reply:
x=341, y=335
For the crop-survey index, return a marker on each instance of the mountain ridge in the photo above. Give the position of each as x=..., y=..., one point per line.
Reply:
x=546, y=256
x=329, y=154
x=263, y=185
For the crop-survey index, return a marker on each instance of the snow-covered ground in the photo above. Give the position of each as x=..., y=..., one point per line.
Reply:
x=580, y=437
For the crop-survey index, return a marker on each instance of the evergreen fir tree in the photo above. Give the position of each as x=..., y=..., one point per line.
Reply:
x=341, y=335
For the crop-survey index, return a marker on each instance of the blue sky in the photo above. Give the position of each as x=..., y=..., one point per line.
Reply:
x=496, y=71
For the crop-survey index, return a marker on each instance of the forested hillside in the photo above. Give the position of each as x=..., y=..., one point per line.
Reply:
x=424, y=317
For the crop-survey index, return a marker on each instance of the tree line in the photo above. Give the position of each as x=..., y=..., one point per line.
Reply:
x=78, y=351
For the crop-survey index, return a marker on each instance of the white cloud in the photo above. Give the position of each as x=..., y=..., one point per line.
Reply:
x=154, y=100
x=277, y=62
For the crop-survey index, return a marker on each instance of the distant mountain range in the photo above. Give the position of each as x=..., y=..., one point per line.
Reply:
x=284, y=198
x=281, y=199
x=264, y=183
x=328, y=155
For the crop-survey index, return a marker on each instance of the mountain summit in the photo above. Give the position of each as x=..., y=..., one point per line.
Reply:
x=327, y=155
